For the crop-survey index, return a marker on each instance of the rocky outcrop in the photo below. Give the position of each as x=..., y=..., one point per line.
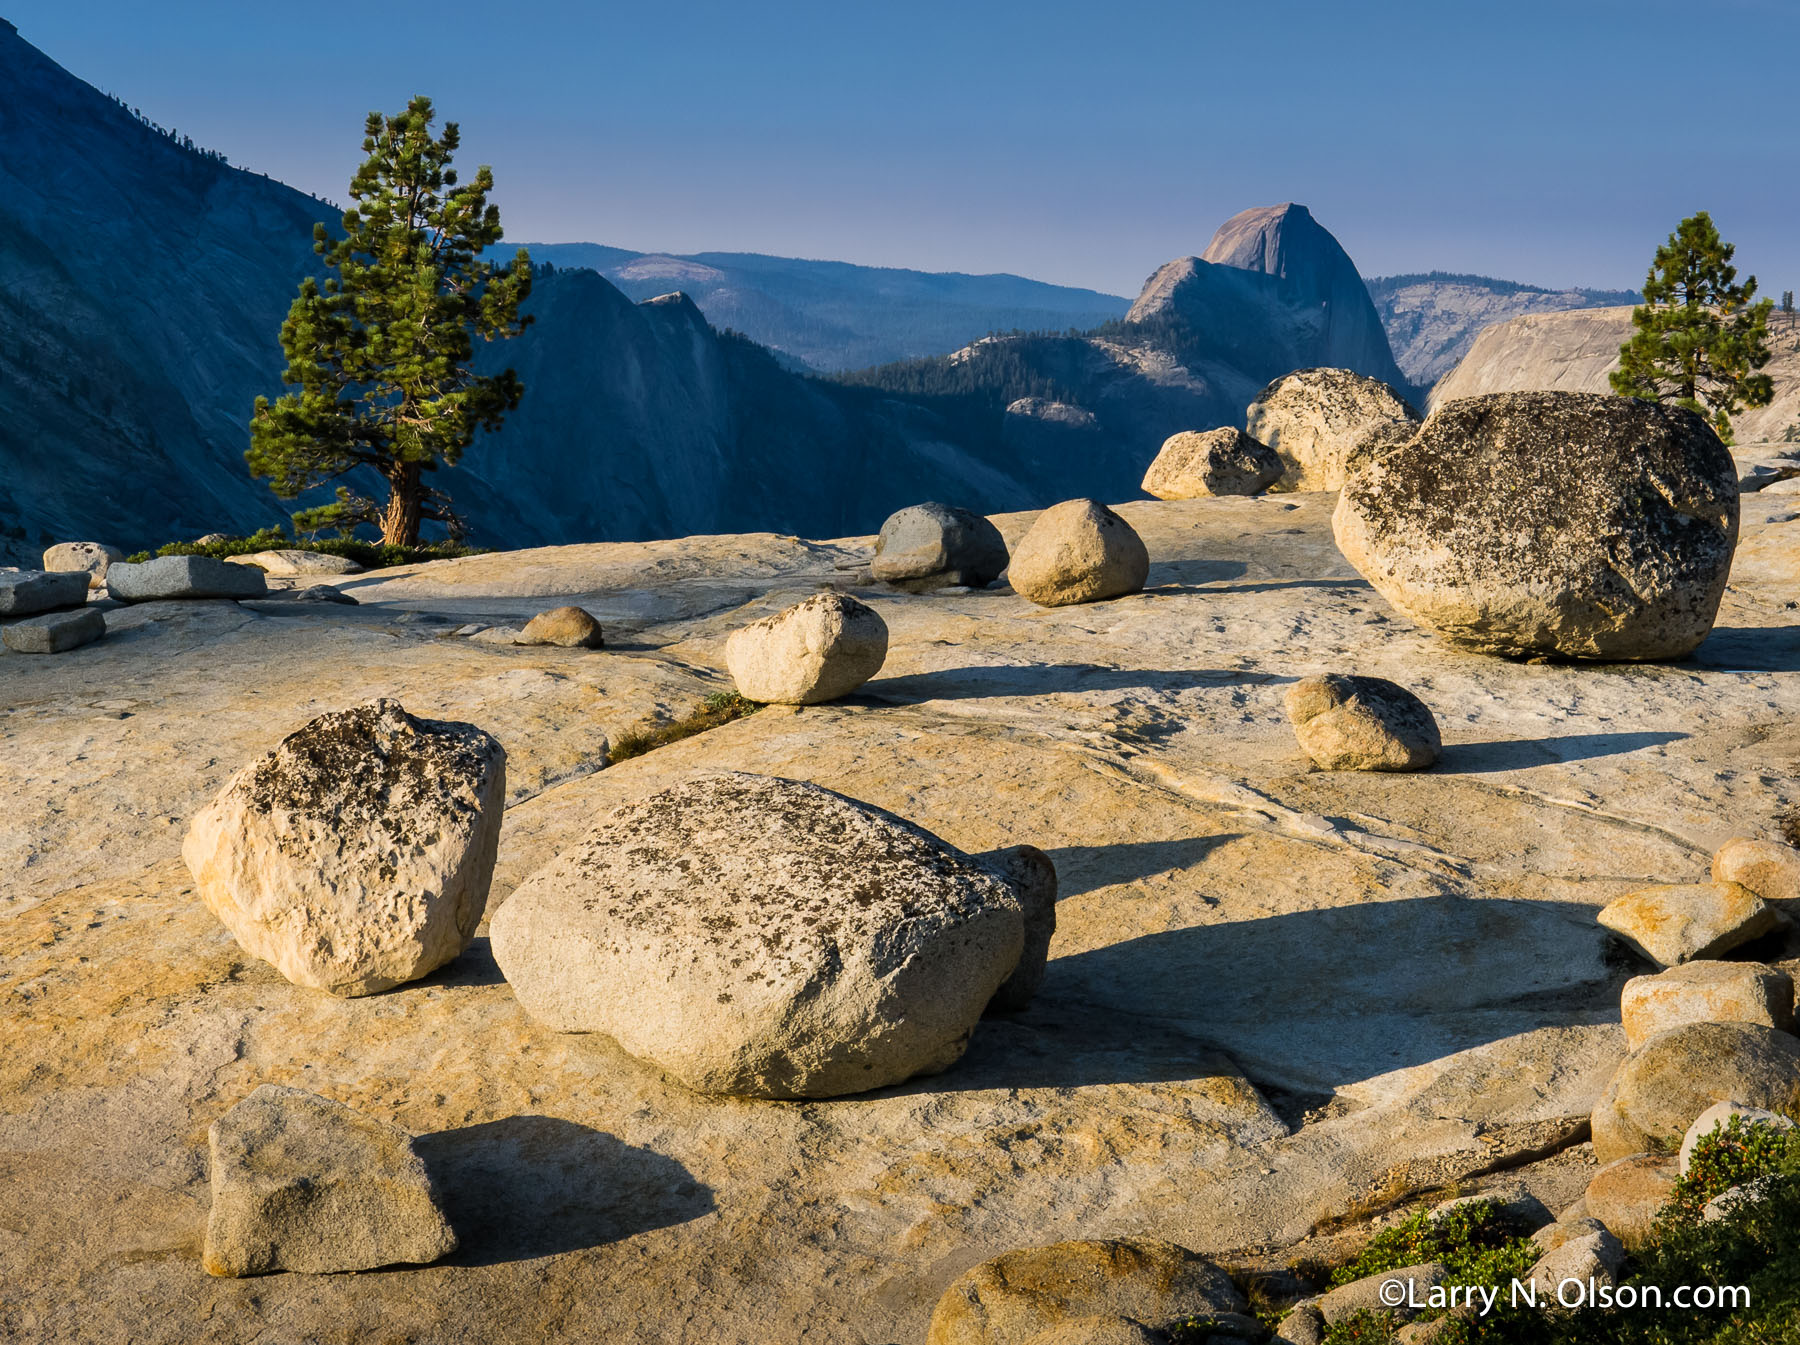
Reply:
x=927, y=546
x=565, y=628
x=302, y=1183
x=1012, y=1298
x=1577, y=351
x=1191, y=465
x=356, y=856
x=1433, y=320
x=183, y=577
x=1686, y=922
x=1550, y=524
x=1706, y=992
x=761, y=937
x=812, y=652
x=1349, y=723
x=1667, y=1082
x=91, y=558
x=54, y=632
x=1628, y=1193
x=1078, y=551
x=1315, y=418
x=1333, y=321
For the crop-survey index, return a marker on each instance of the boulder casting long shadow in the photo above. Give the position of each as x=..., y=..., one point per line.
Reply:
x=531, y=1186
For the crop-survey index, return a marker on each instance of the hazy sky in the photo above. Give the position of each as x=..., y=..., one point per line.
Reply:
x=1080, y=143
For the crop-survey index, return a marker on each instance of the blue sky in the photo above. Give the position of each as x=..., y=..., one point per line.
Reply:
x=1078, y=143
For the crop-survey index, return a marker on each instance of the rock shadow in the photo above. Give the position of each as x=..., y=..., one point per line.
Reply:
x=1518, y=754
x=1042, y=679
x=1085, y=868
x=1750, y=649
x=1259, y=586
x=532, y=1186
x=1307, y=1001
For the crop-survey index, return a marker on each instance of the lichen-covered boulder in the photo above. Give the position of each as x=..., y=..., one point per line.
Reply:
x=932, y=545
x=1550, y=523
x=761, y=937
x=1705, y=992
x=302, y=1183
x=1350, y=723
x=810, y=653
x=89, y=558
x=1078, y=551
x=1668, y=1081
x=1312, y=418
x=1768, y=868
x=1014, y=1297
x=355, y=856
x=1226, y=461
x=1686, y=922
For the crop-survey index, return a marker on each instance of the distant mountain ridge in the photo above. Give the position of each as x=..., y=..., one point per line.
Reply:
x=1433, y=318
x=832, y=316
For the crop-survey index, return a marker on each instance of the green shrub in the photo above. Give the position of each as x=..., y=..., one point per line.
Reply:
x=1730, y=1156
x=369, y=555
x=719, y=708
x=1478, y=1242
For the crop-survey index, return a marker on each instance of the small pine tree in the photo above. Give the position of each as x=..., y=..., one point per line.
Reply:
x=1787, y=306
x=380, y=353
x=1700, y=337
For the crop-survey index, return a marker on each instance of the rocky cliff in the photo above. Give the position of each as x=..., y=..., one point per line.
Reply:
x=1432, y=320
x=1575, y=351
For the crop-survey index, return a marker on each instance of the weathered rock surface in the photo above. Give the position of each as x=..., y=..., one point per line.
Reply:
x=931, y=545
x=1420, y=949
x=1365, y=1295
x=1550, y=524
x=54, y=632
x=1226, y=461
x=177, y=577
x=1078, y=551
x=1016, y=1296
x=357, y=855
x=1033, y=879
x=1767, y=868
x=1099, y=1330
x=289, y=561
x=1628, y=1193
x=300, y=1182
x=1312, y=418
x=1305, y=1325
x=1706, y=992
x=324, y=593
x=1717, y=1116
x=810, y=653
x=90, y=558
x=1350, y=723
x=564, y=627
x=1669, y=1081
x=1514, y=1202
x=762, y=937
x=1686, y=922
x=23, y=592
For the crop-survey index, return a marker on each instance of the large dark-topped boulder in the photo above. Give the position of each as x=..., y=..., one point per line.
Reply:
x=1550, y=523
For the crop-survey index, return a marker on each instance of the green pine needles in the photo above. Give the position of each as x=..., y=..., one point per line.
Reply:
x=379, y=354
x=1700, y=336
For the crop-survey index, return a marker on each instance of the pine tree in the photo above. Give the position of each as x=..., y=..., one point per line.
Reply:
x=1700, y=337
x=380, y=352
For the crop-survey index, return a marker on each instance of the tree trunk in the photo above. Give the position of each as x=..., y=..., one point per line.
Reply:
x=400, y=523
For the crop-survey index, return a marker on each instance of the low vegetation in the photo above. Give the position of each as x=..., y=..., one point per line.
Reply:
x=369, y=555
x=1755, y=1245
x=717, y=709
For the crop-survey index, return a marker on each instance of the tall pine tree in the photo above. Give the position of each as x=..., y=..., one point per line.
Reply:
x=380, y=352
x=1700, y=338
